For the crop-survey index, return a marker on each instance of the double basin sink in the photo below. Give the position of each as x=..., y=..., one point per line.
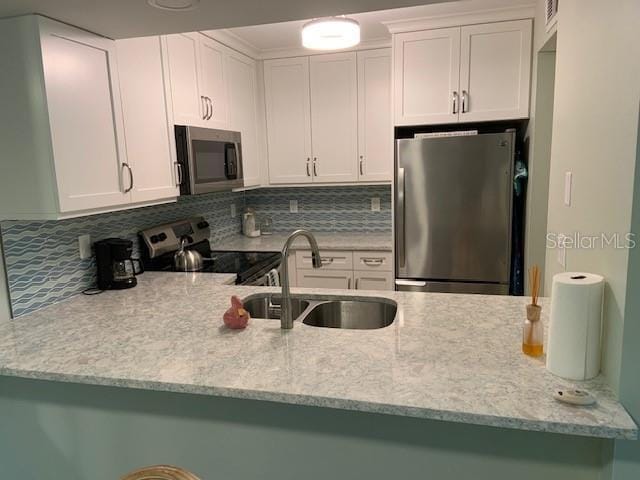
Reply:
x=326, y=311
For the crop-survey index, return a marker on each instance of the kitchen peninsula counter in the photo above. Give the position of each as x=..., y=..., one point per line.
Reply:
x=454, y=358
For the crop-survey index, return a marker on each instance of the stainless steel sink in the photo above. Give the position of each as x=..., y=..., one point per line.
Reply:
x=352, y=314
x=268, y=306
x=326, y=311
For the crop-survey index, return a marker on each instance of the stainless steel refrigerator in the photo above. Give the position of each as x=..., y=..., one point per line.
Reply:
x=453, y=204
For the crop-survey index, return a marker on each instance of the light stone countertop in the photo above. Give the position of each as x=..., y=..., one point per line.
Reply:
x=446, y=357
x=326, y=241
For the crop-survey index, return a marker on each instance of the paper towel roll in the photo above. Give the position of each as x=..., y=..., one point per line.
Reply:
x=573, y=347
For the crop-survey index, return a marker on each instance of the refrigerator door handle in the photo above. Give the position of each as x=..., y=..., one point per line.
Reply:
x=401, y=219
x=410, y=283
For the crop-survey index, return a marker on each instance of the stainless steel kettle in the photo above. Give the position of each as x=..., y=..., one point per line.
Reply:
x=187, y=260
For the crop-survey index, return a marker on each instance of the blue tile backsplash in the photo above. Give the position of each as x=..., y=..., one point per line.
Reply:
x=43, y=265
x=324, y=209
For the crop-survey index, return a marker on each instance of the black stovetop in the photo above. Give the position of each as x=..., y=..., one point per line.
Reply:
x=245, y=264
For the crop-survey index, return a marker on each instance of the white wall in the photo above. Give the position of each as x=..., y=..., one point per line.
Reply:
x=595, y=128
x=538, y=137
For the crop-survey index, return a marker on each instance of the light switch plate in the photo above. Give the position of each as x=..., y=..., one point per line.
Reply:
x=375, y=204
x=568, y=177
x=293, y=206
x=233, y=210
x=84, y=247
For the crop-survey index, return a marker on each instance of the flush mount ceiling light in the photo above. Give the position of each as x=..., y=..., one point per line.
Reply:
x=331, y=33
x=174, y=5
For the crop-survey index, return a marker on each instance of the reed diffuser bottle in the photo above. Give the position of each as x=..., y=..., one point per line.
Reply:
x=532, y=333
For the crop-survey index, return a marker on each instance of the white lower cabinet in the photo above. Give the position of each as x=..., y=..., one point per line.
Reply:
x=373, y=281
x=343, y=269
x=318, y=278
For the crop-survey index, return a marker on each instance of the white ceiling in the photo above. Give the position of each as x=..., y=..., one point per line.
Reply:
x=282, y=36
x=134, y=18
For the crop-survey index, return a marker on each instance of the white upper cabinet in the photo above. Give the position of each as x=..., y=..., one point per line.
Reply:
x=242, y=103
x=495, y=70
x=85, y=117
x=197, y=77
x=375, y=135
x=334, y=121
x=181, y=53
x=462, y=74
x=212, y=82
x=288, y=120
x=312, y=118
x=147, y=120
x=426, y=73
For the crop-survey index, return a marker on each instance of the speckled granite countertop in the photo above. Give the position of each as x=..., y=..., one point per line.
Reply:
x=446, y=357
x=326, y=241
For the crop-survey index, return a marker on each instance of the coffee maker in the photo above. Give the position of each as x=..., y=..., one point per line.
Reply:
x=116, y=268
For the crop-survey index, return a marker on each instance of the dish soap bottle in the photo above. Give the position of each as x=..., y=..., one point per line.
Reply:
x=533, y=333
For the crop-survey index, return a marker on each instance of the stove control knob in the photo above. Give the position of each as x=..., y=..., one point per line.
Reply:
x=162, y=236
x=202, y=225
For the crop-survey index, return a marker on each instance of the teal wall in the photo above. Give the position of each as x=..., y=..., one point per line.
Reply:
x=627, y=454
x=73, y=432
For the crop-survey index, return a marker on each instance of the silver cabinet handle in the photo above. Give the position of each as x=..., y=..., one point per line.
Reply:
x=308, y=171
x=210, y=108
x=357, y=283
x=327, y=261
x=455, y=103
x=464, y=101
x=375, y=262
x=349, y=283
x=361, y=165
x=127, y=190
x=400, y=218
x=180, y=173
x=205, y=109
x=315, y=166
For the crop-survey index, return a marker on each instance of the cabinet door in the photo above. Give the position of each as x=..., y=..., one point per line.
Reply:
x=286, y=85
x=373, y=280
x=212, y=81
x=147, y=123
x=85, y=117
x=341, y=279
x=494, y=71
x=181, y=52
x=426, y=74
x=334, y=117
x=242, y=90
x=375, y=131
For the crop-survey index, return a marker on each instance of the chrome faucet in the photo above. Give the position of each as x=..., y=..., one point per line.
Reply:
x=286, y=320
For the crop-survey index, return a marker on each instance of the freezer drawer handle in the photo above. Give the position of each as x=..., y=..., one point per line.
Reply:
x=411, y=283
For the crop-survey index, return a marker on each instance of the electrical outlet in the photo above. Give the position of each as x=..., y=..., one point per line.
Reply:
x=233, y=210
x=375, y=204
x=84, y=246
x=293, y=206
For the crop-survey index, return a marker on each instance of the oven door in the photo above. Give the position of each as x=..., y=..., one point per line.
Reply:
x=213, y=160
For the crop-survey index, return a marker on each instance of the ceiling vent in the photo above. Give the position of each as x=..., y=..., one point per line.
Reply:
x=551, y=13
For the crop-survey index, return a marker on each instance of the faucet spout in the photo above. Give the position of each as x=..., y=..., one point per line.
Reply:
x=286, y=320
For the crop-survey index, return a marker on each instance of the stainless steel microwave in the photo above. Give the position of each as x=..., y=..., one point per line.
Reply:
x=208, y=160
